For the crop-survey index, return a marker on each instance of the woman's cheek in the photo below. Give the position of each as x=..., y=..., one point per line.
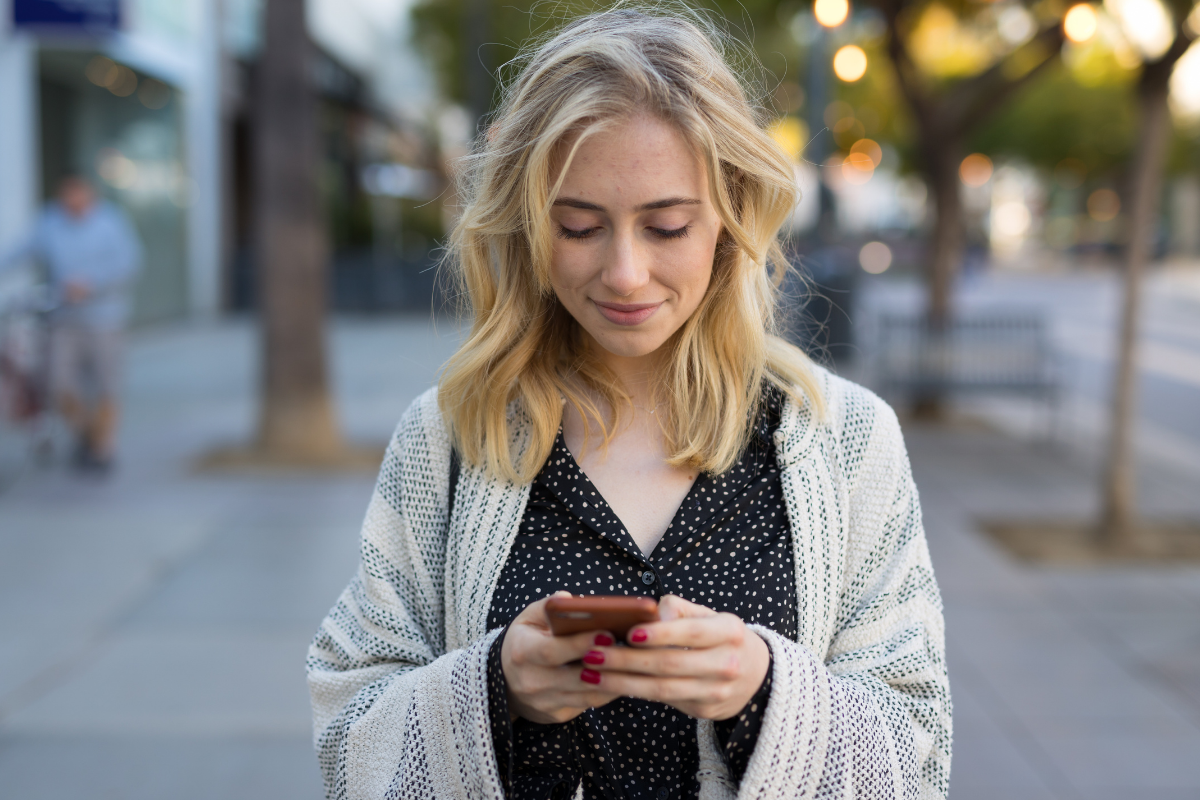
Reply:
x=569, y=271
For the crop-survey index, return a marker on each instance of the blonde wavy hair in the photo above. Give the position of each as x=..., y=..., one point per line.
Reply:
x=523, y=346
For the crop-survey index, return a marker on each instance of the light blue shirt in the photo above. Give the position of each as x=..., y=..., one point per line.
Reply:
x=100, y=250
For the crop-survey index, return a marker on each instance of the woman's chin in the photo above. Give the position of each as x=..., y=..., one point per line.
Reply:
x=630, y=344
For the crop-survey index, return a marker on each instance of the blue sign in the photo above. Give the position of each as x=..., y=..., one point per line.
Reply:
x=83, y=16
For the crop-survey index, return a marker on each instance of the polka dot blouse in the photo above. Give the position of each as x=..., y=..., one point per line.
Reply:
x=728, y=547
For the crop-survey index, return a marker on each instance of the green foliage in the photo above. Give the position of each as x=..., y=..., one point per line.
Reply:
x=1055, y=117
x=440, y=31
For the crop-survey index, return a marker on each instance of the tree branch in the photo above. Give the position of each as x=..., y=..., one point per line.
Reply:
x=973, y=99
x=1159, y=71
x=907, y=74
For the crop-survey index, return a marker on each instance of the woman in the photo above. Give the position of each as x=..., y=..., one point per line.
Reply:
x=621, y=421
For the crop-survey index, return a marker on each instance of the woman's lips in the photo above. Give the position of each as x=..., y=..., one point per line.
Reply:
x=627, y=313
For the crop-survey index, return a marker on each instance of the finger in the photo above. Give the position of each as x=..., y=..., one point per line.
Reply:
x=711, y=663
x=564, y=703
x=573, y=687
x=535, y=612
x=709, y=631
x=537, y=647
x=672, y=607
x=660, y=689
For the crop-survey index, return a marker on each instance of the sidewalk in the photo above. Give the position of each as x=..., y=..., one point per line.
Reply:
x=153, y=627
x=1067, y=683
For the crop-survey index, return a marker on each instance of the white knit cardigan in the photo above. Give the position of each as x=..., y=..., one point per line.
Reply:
x=860, y=702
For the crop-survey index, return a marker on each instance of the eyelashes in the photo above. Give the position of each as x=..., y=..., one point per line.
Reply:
x=570, y=233
x=677, y=233
x=662, y=233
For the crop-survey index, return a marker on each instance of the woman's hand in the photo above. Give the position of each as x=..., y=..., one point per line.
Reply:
x=705, y=664
x=546, y=684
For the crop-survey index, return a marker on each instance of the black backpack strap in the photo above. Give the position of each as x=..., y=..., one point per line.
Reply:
x=455, y=468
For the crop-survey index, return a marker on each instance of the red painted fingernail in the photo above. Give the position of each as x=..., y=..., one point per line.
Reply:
x=603, y=640
x=639, y=635
x=594, y=657
x=589, y=676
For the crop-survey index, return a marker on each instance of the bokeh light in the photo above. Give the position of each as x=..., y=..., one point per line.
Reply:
x=1147, y=24
x=847, y=131
x=857, y=168
x=975, y=170
x=101, y=71
x=118, y=79
x=831, y=13
x=1011, y=219
x=850, y=63
x=836, y=111
x=116, y=169
x=1185, y=80
x=1080, y=23
x=791, y=134
x=875, y=257
x=125, y=84
x=1103, y=205
x=154, y=94
x=868, y=148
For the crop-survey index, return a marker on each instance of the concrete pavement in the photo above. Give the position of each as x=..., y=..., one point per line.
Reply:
x=153, y=627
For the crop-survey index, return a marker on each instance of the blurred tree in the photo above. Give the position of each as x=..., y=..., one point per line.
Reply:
x=956, y=65
x=1057, y=117
x=1118, y=517
x=469, y=41
x=297, y=421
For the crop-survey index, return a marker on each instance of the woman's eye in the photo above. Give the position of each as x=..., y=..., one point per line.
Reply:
x=570, y=233
x=672, y=233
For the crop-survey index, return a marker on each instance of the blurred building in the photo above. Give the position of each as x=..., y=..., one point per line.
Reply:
x=124, y=92
x=153, y=100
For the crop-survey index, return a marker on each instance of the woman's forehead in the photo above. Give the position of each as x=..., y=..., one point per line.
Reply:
x=640, y=159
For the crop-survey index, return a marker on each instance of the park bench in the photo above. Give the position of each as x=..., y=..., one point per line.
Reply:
x=997, y=352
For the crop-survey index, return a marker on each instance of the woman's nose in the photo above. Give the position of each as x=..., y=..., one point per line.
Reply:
x=627, y=269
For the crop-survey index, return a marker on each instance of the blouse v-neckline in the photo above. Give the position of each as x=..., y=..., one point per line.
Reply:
x=575, y=489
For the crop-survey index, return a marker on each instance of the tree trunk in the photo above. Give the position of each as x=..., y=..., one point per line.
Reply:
x=1118, y=520
x=297, y=420
x=942, y=157
x=480, y=83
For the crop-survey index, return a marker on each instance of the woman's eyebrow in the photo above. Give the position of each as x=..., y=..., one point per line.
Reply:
x=667, y=203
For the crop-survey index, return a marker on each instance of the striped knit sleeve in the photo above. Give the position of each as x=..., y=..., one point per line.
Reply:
x=393, y=714
x=871, y=717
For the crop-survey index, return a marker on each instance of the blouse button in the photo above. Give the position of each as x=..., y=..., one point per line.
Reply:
x=648, y=578
x=663, y=793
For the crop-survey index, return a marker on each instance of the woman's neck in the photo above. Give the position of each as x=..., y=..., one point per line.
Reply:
x=636, y=375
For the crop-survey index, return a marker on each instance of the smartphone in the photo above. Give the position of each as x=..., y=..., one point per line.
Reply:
x=590, y=612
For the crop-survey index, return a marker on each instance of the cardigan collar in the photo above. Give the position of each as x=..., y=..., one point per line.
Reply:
x=488, y=511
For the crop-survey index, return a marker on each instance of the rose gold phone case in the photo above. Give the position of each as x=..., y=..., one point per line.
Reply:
x=615, y=614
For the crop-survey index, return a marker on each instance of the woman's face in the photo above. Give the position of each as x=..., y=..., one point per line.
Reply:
x=635, y=236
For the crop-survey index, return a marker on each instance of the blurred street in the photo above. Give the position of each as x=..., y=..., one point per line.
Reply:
x=257, y=177
x=153, y=626
x=1082, y=311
